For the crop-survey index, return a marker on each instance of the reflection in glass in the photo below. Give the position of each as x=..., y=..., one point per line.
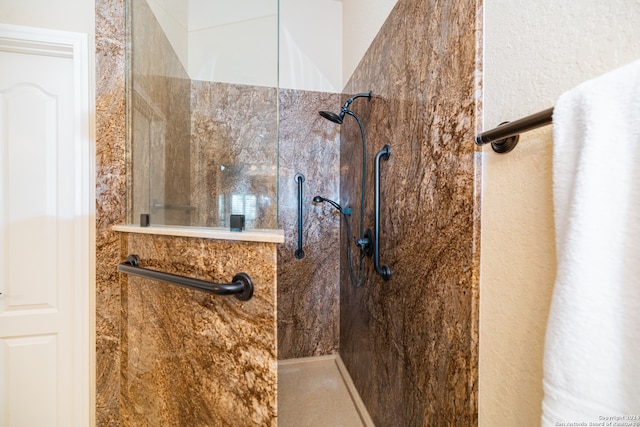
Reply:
x=203, y=112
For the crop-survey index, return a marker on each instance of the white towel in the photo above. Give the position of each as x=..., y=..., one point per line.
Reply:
x=592, y=349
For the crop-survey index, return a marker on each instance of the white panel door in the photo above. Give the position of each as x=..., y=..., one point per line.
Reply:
x=43, y=237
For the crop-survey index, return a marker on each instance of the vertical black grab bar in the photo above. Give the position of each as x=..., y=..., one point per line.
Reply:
x=241, y=286
x=384, y=271
x=299, y=253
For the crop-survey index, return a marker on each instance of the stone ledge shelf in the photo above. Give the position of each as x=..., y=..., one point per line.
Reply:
x=267, y=236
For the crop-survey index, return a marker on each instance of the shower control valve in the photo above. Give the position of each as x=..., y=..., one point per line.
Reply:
x=362, y=243
x=365, y=243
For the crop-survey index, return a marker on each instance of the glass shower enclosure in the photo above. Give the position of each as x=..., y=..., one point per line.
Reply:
x=202, y=112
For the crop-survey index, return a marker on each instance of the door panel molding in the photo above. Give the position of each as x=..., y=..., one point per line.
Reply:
x=73, y=46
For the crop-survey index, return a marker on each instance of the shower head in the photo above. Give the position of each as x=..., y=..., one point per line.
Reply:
x=339, y=118
x=332, y=116
x=319, y=199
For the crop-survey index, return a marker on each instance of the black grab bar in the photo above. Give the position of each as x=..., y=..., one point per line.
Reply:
x=242, y=286
x=384, y=271
x=299, y=253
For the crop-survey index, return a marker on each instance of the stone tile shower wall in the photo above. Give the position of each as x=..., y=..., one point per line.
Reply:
x=195, y=359
x=110, y=203
x=185, y=332
x=234, y=129
x=410, y=343
x=308, y=292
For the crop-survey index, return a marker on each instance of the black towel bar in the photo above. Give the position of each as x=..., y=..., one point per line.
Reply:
x=505, y=137
x=242, y=286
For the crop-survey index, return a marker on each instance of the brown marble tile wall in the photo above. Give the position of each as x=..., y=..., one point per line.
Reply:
x=234, y=131
x=308, y=292
x=194, y=359
x=110, y=203
x=410, y=343
x=161, y=123
x=124, y=341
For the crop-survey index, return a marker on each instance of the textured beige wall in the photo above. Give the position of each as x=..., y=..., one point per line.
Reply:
x=361, y=21
x=311, y=45
x=67, y=15
x=533, y=51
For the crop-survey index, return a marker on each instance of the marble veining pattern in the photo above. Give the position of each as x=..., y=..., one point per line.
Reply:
x=125, y=341
x=110, y=203
x=194, y=359
x=308, y=293
x=410, y=344
x=234, y=152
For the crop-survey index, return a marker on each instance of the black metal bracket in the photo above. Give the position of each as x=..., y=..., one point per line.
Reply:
x=241, y=286
x=505, y=145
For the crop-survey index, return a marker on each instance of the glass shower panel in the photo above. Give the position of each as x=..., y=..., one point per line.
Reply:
x=202, y=103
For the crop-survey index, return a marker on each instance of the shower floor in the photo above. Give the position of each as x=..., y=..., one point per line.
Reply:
x=318, y=391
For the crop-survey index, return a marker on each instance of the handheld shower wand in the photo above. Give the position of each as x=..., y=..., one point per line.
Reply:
x=319, y=199
x=346, y=213
x=363, y=241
